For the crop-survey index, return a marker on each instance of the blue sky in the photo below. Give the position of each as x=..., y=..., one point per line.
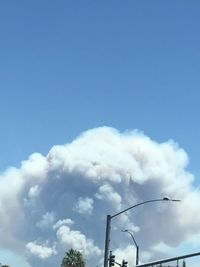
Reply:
x=70, y=66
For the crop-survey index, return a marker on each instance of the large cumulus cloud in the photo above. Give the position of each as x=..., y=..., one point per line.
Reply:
x=61, y=200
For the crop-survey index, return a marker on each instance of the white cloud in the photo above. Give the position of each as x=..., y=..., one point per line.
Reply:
x=40, y=251
x=35, y=168
x=126, y=253
x=34, y=191
x=84, y=206
x=101, y=172
x=106, y=192
x=77, y=240
x=62, y=222
x=162, y=247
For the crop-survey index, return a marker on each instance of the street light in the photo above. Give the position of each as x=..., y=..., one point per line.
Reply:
x=136, y=245
x=110, y=217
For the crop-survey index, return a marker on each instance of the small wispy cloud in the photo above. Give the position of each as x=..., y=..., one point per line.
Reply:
x=47, y=220
x=41, y=251
x=84, y=205
x=62, y=222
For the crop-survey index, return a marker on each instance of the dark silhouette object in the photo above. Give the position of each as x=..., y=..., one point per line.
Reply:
x=111, y=259
x=73, y=258
x=124, y=263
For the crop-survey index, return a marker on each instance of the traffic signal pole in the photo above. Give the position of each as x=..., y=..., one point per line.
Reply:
x=112, y=261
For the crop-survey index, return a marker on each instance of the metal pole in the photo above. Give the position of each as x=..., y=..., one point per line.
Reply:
x=137, y=255
x=107, y=240
x=135, y=243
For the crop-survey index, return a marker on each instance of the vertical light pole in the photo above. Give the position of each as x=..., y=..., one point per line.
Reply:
x=110, y=217
x=136, y=245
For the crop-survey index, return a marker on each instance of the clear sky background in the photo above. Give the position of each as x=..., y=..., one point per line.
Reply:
x=69, y=66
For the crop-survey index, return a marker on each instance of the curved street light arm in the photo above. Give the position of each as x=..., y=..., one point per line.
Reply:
x=144, y=202
x=129, y=232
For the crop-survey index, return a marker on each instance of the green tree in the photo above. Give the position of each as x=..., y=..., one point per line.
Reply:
x=73, y=258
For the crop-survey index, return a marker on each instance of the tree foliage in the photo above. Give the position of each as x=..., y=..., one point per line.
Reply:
x=73, y=258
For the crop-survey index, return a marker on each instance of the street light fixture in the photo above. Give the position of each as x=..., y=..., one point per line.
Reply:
x=110, y=217
x=136, y=245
